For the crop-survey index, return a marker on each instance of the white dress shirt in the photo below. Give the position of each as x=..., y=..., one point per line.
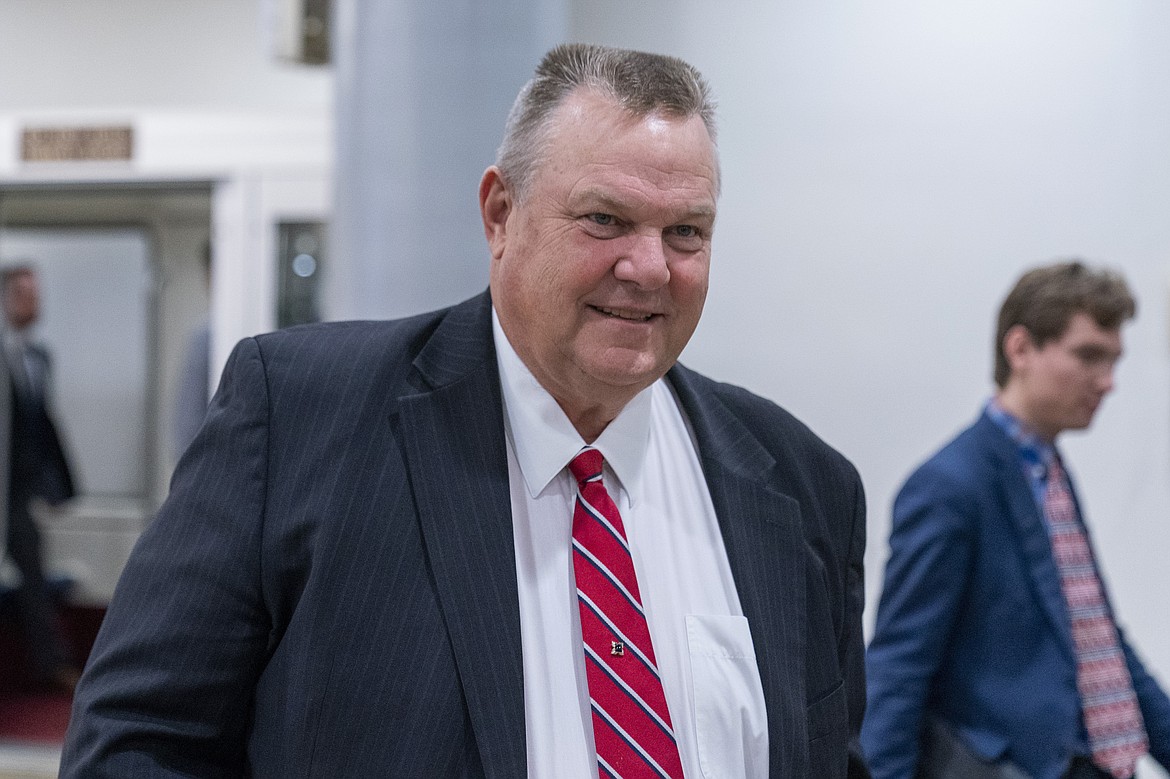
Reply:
x=701, y=638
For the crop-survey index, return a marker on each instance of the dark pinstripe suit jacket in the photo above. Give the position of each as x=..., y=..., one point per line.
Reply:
x=330, y=589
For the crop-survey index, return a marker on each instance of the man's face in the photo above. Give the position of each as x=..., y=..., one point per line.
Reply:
x=22, y=300
x=600, y=273
x=1062, y=382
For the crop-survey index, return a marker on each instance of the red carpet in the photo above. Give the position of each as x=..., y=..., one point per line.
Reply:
x=35, y=718
x=30, y=714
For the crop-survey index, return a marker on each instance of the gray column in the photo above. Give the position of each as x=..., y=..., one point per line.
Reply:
x=423, y=88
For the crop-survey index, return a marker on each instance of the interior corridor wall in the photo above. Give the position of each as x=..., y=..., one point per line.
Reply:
x=423, y=89
x=122, y=58
x=889, y=170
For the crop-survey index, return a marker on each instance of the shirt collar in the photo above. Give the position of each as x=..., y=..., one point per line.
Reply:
x=1034, y=449
x=544, y=439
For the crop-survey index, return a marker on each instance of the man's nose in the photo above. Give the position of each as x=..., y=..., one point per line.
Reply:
x=645, y=262
x=1105, y=380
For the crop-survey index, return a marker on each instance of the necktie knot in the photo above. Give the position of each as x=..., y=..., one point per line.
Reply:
x=586, y=466
x=1055, y=470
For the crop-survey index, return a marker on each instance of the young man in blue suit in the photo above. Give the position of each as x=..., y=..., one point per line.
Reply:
x=369, y=563
x=996, y=651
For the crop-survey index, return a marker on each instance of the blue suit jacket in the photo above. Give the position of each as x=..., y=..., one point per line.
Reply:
x=330, y=589
x=972, y=626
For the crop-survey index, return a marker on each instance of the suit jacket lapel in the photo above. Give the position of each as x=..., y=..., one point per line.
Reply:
x=764, y=536
x=453, y=435
x=1033, y=535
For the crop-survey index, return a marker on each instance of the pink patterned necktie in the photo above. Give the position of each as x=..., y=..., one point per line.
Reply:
x=631, y=725
x=1117, y=737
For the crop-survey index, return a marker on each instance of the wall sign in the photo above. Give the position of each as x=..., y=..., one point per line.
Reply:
x=67, y=144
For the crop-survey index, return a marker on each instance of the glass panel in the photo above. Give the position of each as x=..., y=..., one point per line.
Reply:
x=95, y=294
x=301, y=249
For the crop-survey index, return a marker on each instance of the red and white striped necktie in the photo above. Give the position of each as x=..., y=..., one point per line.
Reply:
x=1117, y=736
x=631, y=724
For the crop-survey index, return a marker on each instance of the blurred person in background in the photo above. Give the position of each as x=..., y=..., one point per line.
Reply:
x=996, y=651
x=38, y=470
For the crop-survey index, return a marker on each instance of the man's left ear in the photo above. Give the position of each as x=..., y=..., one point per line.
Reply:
x=495, y=206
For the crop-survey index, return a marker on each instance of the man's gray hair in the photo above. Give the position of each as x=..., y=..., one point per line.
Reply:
x=642, y=83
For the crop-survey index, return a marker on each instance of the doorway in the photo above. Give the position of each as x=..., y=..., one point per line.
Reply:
x=124, y=284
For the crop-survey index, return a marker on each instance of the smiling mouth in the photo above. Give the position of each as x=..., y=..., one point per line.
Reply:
x=628, y=316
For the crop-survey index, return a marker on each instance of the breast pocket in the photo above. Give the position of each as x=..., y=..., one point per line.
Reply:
x=731, y=728
x=828, y=734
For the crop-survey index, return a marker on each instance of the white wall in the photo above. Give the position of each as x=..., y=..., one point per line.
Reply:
x=889, y=170
x=143, y=54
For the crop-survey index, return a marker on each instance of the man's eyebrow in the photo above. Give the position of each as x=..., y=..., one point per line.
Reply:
x=1095, y=349
x=593, y=198
x=596, y=198
x=700, y=212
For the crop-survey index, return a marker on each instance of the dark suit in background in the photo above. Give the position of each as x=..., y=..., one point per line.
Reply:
x=37, y=469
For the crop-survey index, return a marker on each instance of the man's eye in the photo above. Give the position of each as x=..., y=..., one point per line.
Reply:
x=1095, y=359
x=602, y=219
x=685, y=238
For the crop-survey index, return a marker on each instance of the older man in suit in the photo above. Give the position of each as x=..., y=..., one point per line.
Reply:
x=512, y=537
x=996, y=651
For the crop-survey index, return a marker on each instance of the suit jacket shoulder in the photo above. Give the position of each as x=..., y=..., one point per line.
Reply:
x=776, y=429
x=968, y=462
